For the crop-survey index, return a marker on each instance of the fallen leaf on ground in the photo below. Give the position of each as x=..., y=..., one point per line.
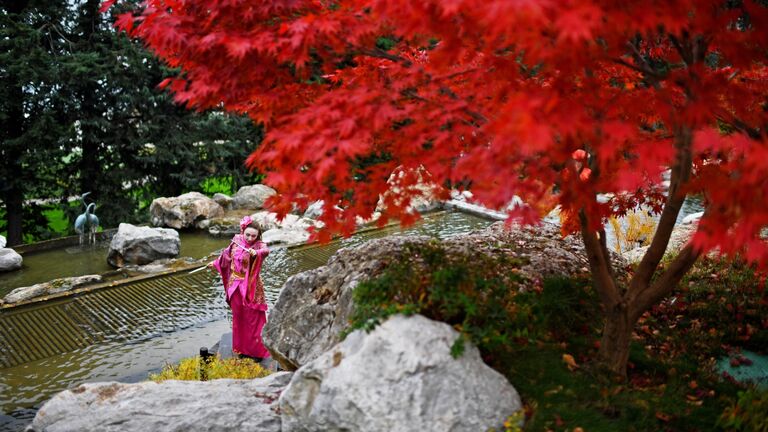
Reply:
x=570, y=362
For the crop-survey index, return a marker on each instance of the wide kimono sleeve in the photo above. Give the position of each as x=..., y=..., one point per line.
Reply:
x=253, y=276
x=223, y=265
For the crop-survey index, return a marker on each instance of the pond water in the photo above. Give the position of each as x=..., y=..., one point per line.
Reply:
x=130, y=347
x=90, y=259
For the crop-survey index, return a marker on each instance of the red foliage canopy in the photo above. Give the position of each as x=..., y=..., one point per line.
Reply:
x=555, y=101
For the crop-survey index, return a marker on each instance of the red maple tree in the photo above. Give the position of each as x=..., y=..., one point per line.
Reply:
x=555, y=101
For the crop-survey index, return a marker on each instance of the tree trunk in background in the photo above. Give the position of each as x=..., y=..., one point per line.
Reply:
x=90, y=168
x=12, y=192
x=14, y=209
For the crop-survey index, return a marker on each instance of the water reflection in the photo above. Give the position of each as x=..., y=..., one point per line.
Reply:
x=32, y=383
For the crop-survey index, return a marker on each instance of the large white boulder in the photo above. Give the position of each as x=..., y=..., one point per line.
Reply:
x=218, y=405
x=314, y=306
x=9, y=260
x=183, y=211
x=291, y=230
x=142, y=245
x=252, y=197
x=285, y=236
x=400, y=377
x=51, y=287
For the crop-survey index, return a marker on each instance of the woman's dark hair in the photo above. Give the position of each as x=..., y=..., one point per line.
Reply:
x=255, y=225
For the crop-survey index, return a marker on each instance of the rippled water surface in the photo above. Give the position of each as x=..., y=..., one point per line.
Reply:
x=90, y=259
x=132, y=331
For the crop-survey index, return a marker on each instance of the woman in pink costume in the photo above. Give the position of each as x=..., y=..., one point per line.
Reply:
x=239, y=265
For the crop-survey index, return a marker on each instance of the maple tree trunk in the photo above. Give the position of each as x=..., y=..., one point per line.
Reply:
x=623, y=307
x=614, y=344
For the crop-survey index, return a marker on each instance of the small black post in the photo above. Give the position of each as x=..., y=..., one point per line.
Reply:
x=205, y=359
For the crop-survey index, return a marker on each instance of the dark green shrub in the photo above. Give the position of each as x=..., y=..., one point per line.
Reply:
x=474, y=294
x=749, y=413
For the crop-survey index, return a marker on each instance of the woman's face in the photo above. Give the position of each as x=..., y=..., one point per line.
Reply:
x=251, y=234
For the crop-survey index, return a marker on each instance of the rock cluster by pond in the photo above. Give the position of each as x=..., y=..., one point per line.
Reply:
x=194, y=210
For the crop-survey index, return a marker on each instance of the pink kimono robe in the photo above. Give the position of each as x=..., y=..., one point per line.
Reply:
x=240, y=273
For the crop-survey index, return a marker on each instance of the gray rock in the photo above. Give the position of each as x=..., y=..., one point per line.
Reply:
x=285, y=236
x=2, y=242
x=227, y=225
x=142, y=245
x=399, y=377
x=362, y=222
x=315, y=210
x=542, y=248
x=218, y=405
x=268, y=220
x=423, y=196
x=9, y=260
x=160, y=265
x=693, y=218
x=425, y=203
x=51, y=287
x=224, y=200
x=252, y=197
x=183, y=211
x=314, y=306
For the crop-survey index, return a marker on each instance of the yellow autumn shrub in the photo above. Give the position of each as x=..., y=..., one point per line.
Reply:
x=189, y=369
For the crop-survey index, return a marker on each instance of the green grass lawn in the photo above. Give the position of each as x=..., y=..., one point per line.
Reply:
x=56, y=221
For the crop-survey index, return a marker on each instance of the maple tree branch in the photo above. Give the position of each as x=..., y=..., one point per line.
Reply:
x=474, y=114
x=666, y=283
x=600, y=265
x=455, y=74
x=642, y=65
x=606, y=253
x=740, y=125
x=640, y=69
x=681, y=172
x=638, y=56
x=380, y=53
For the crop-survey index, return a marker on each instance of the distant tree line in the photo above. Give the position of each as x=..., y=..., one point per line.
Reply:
x=80, y=111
